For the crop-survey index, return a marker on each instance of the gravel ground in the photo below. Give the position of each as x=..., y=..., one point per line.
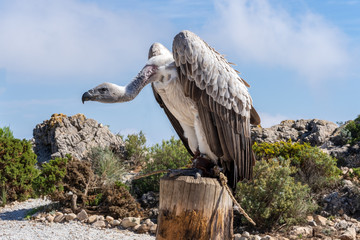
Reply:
x=13, y=226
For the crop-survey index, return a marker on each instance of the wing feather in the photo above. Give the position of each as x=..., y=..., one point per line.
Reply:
x=225, y=106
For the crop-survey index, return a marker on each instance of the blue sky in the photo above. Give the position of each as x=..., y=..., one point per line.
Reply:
x=301, y=57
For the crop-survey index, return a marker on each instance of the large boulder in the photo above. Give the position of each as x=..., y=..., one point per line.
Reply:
x=314, y=131
x=75, y=135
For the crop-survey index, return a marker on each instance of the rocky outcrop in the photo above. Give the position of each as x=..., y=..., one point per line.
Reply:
x=75, y=135
x=314, y=131
x=324, y=134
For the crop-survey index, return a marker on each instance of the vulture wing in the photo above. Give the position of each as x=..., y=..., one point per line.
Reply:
x=224, y=104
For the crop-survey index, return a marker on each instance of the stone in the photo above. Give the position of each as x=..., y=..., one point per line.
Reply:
x=136, y=227
x=144, y=228
x=349, y=234
x=153, y=229
x=341, y=225
x=303, y=231
x=245, y=234
x=320, y=220
x=238, y=237
x=100, y=224
x=50, y=218
x=312, y=223
x=267, y=237
x=314, y=131
x=309, y=218
x=255, y=237
x=148, y=222
x=109, y=219
x=101, y=218
x=70, y=216
x=75, y=135
x=130, y=222
x=59, y=218
x=116, y=223
x=82, y=215
x=92, y=218
x=149, y=200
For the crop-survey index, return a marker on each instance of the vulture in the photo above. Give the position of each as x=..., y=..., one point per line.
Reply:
x=205, y=99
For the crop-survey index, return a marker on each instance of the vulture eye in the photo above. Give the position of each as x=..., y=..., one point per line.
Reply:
x=103, y=90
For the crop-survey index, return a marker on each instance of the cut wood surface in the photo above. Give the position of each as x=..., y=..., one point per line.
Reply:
x=194, y=209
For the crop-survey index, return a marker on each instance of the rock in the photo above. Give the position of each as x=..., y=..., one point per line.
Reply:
x=59, y=218
x=303, y=231
x=309, y=218
x=320, y=220
x=149, y=200
x=267, y=237
x=153, y=229
x=101, y=218
x=136, y=227
x=148, y=222
x=92, y=219
x=109, y=219
x=82, y=215
x=313, y=131
x=70, y=216
x=75, y=135
x=255, y=237
x=144, y=228
x=239, y=237
x=116, y=223
x=100, y=224
x=245, y=234
x=349, y=234
x=312, y=223
x=341, y=225
x=130, y=222
x=345, y=200
x=50, y=218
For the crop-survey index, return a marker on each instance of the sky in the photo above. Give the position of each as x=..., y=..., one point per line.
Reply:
x=301, y=57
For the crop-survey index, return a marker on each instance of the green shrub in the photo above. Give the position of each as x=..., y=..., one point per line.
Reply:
x=170, y=154
x=273, y=197
x=17, y=167
x=51, y=176
x=5, y=132
x=105, y=164
x=355, y=173
x=352, y=131
x=135, y=146
x=313, y=167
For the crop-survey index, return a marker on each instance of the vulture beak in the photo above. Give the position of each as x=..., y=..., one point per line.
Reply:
x=87, y=96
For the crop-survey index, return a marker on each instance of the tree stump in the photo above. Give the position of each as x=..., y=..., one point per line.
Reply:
x=194, y=209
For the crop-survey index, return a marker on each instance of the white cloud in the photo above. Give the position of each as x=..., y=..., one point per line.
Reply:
x=66, y=37
x=256, y=31
x=269, y=120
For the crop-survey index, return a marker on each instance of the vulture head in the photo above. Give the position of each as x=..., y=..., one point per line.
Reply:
x=159, y=58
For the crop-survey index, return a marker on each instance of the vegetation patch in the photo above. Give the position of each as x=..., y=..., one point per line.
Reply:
x=313, y=166
x=273, y=197
x=17, y=167
x=171, y=154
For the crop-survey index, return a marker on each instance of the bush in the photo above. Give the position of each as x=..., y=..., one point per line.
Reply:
x=170, y=154
x=352, y=131
x=51, y=176
x=313, y=167
x=17, y=167
x=273, y=197
x=5, y=132
x=105, y=164
x=135, y=146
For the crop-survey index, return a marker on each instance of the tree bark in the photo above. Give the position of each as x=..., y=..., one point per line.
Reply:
x=194, y=209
